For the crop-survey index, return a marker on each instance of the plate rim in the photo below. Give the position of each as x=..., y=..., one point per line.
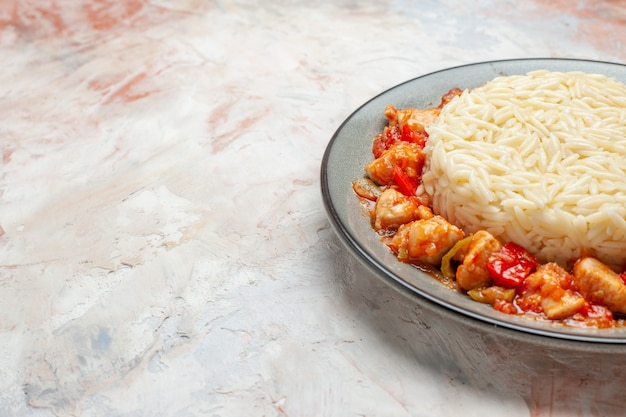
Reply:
x=380, y=268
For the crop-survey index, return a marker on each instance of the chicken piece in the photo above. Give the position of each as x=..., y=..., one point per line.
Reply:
x=417, y=119
x=424, y=212
x=548, y=289
x=446, y=98
x=600, y=284
x=473, y=272
x=408, y=156
x=394, y=209
x=425, y=241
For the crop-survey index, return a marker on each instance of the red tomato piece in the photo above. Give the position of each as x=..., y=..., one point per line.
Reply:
x=405, y=184
x=409, y=135
x=385, y=140
x=392, y=135
x=596, y=311
x=511, y=265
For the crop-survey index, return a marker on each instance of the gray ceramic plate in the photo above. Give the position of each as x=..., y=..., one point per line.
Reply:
x=350, y=149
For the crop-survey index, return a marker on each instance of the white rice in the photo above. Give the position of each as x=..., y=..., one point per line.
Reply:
x=538, y=159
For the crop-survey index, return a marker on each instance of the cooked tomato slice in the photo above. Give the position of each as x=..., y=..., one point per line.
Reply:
x=385, y=140
x=511, y=265
x=409, y=135
x=405, y=184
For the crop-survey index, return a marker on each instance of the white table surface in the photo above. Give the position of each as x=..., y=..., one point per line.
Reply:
x=164, y=249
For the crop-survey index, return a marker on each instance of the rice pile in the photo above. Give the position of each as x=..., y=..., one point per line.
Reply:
x=538, y=159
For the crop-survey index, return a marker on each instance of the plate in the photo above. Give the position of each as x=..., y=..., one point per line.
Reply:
x=349, y=150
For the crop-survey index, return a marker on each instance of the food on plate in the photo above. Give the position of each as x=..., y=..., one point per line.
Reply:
x=536, y=159
x=514, y=190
